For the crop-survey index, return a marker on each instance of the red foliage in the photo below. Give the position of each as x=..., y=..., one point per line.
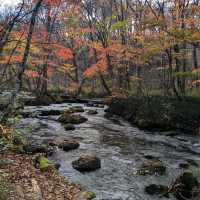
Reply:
x=31, y=74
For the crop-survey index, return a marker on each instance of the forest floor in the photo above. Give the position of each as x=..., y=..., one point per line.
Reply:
x=21, y=180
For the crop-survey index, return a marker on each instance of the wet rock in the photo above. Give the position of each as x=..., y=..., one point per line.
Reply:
x=69, y=127
x=68, y=145
x=108, y=115
x=50, y=112
x=186, y=186
x=184, y=165
x=92, y=112
x=100, y=106
x=192, y=162
x=87, y=163
x=67, y=117
x=91, y=104
x=34, y=149
x=57, y=165
x=189, y=163
x=150, y=157
x=76, y=109
x=169, y=133
x=152, y=167
x=154, y=189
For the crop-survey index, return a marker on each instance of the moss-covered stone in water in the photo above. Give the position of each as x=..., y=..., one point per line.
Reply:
x=76, y=109
x=72, y=118
x=189, y=180
x=69, y=127
x=92, y=195
x=45, y=164
x=152, y=167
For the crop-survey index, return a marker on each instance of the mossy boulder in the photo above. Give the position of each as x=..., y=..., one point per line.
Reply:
x=187, y=184
x=152, y=167
x=68, y=117
x=68, y=145
x=87, y=163
x=154, y=189
x=44, y=164
x=69, y=127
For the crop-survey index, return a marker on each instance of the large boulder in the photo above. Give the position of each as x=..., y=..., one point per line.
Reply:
x=187, y=185
x=87, y=163
x=68, y=145
x=68, y=117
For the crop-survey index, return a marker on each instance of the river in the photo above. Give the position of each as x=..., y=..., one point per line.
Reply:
x=121, y=147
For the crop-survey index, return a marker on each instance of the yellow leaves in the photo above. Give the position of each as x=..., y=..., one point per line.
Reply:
x=66, y=68
x=5, y=131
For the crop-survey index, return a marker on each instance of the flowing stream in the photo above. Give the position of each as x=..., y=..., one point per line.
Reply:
x=120, y=146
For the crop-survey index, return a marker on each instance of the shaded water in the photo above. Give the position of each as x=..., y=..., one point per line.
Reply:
x=121, y=148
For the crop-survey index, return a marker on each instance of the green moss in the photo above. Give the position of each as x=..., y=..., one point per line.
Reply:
x=45, y=164
x=92, y=195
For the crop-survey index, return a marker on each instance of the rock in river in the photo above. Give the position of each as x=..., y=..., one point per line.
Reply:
x=68, y=145
x=154, y=189
x=87, y=163
x=92, y=112
x=152, y=167
x=187, y=186
x=76, y=109
x=69, y=127
x=72, y=118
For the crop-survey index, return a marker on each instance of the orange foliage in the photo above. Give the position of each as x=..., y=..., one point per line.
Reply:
x=63, y=52
x=100, y=66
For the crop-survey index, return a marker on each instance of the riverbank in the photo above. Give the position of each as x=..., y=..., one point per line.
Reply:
x=159, y=113
x=20, y=180
x=26, y=173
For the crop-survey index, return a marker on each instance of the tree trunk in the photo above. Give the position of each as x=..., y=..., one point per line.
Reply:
x=18, y=81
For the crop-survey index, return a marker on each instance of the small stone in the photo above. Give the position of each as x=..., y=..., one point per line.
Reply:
x=184, y=165
x=68, y=145
x=92, y=112
x=69, y=127
x=152, y=167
